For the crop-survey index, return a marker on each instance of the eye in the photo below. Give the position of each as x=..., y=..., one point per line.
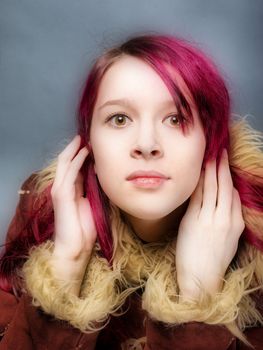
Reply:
x=175, y=120
x=120, y=120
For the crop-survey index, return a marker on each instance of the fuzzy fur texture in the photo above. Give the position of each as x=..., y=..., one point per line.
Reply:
x=134, y=344
x=95, y=301
x=152, y=267
x=246, y=146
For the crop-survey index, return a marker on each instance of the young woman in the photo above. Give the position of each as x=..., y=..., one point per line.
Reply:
x=146, y=231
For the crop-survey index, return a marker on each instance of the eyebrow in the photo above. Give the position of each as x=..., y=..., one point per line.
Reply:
x=128, y=103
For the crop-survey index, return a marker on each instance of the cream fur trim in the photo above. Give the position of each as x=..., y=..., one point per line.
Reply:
x=246, y=145
x=97, y=300
x=231, y=307
x=161, y=296
x=134, y=344
x=152, y=265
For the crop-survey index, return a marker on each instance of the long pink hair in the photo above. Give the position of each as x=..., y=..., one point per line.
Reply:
x=212, y=101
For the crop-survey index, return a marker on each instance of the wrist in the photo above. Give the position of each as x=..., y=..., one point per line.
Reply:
x=70, y=253
x=71, y=271
x=68, y=267
x=189, y=295
x=192, y=291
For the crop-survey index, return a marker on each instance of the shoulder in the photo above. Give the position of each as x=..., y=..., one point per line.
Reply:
x=30, y=202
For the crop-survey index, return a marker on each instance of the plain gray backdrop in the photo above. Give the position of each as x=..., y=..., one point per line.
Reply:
x=47, y=47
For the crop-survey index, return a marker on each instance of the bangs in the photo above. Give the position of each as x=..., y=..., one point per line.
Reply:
x=184, y=109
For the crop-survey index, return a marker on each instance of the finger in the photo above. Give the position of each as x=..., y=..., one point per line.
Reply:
x=196, y=198
x=225, y=186
x=210, y=187
x=79, y=185
x=69, y=151
x=236, y=213
x=64, y=159
x=87, y=220
x=74, y=168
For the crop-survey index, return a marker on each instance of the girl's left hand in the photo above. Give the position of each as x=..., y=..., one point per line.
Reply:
x=209, y=231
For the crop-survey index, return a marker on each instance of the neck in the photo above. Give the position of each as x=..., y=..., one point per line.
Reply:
x=156, y=230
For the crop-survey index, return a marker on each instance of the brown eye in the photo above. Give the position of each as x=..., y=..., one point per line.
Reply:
x=118, y=120
x=174, y=120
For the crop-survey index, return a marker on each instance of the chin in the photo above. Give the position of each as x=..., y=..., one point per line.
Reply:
x=149, y=214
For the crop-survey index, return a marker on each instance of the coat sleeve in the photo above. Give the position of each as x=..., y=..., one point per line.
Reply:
x=207, y=323
x=23, y=325
x=31, y=329
x=98, y=297
x=191, y=335
x=23, y=208
x=198, y=336
x=8, y=301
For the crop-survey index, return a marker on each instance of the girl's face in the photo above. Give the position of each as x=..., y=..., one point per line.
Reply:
x=144, y=135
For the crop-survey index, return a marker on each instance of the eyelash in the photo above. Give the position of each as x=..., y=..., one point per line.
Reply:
x=111, y=117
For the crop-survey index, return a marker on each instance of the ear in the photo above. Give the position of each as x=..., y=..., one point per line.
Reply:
x=89, y=146
x=90, y=149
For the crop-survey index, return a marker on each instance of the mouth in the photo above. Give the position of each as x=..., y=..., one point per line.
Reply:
x=146, y=174
x=148, y=182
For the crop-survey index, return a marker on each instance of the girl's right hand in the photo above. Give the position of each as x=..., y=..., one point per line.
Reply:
x=75, y=233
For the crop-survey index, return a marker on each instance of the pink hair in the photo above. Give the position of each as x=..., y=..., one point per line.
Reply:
x=211, y=100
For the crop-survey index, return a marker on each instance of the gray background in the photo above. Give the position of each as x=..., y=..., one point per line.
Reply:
x=47, y=47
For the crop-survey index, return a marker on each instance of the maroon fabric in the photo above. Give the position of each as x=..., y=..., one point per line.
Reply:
x=24, y=206
x=8, y=304
x=192, y=335
x=26, y=327
x=30, y=328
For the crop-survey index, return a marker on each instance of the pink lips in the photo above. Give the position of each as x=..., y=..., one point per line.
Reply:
x=147, y=179
x=142, y=173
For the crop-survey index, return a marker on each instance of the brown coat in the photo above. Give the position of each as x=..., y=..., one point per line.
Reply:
x=24, y=326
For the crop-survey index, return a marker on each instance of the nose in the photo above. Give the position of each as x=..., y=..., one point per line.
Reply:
x=146, y=147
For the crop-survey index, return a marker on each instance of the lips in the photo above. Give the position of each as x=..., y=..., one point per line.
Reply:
x=146, y=174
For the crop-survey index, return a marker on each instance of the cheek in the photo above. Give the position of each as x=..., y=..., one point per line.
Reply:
x=107, y=166
x=99, y=147
x=189, y=162
x=108, y=150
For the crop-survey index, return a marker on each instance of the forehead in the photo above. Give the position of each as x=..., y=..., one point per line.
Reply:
x=132, y=78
